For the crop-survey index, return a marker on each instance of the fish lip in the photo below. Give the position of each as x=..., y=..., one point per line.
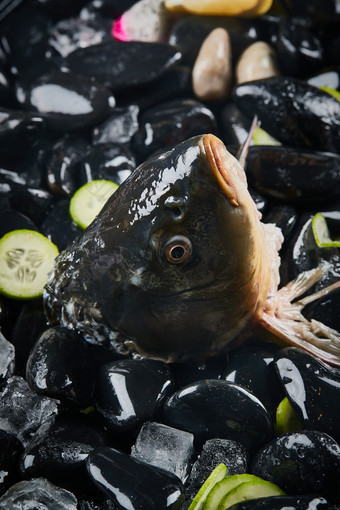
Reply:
x=221, y=163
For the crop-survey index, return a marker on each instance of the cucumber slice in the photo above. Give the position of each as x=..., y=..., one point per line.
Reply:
x=215, y=476
x=89, y=200
x=321, y=233
x=26, y=258
x=261, y=137
x=222, y=488
x=250, y=490
x=286, y=418
x=333, y=92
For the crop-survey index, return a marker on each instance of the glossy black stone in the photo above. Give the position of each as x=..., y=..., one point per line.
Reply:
x=34, y=202
x=69, y=101
x=111, y=161
x=283, y=216
x=327, y=78
x=133, y=484
x=215, y=451
x=10, y=451
x=119, y=127
x=166, y=124
x=14, y=220
x=299, y=50
x=27, y=52
x=306, y=462
x=174, y=83
x=59, y=449
x=29, y=325
x=118, y=65
x=62, y=164
x=295, y=175
x=251, y=366
x=191, y=371
x=319, y=11
x=122, y=400
x=215, y=408
x=313, y=389
x=58, y=225
x=292, y=111
x=283, y=503
x=235, y=125
x=51, y=369
x=189, y=32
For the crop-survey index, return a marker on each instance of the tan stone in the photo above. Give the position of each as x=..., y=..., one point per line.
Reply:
x=257, y=62
x=246, y=8
x=212, y=71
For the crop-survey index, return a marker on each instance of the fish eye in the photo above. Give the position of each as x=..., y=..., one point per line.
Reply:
x=178, y=249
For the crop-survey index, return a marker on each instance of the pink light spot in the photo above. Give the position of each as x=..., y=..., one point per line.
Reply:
x=118, y=31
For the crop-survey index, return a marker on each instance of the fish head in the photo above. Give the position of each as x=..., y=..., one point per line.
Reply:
x=172, y=266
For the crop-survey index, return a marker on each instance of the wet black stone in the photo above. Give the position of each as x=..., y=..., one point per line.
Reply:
x=173, y=83
x=60, y=448
x=61, y=8
x=69, y=101
x=119, y=127
x=294, y=175
x=60, y=366
x=234, y=124
x=188, y=372
x=111, y=161
x=31, y=201
x=283, y=216
x=293, y=111
x=62, y=164
x=313, y=389
x=252, y=367
x=123, y=401
x=306, y=462
x=10, y=451
x=58, y=225
x=118, y=65
x=189, y=32
x=299, y=50
x=27, y=52
x=214, y=408
x=169, y=123
x=10, y=219
x=214, y=452
x=283, y=503
x=132, y=483
x=18, y=128
x=30, y=323
x=319, y=11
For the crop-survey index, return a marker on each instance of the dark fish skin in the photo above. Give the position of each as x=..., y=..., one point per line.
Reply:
x=116, y=285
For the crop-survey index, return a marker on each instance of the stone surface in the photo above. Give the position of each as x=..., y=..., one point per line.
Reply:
x=257, y=62
x=212, y=72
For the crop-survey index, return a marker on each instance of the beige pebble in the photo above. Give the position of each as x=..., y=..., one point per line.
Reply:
x=212, y=71
x=257, y=62
x=246, y=8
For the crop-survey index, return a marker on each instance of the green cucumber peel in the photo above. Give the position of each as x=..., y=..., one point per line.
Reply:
x=321, y=233
x=218, y=474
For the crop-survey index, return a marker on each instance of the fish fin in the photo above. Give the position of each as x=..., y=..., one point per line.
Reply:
x=243, y=151
x=285, y=320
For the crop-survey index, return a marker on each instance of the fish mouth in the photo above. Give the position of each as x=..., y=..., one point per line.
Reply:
x=223, y=165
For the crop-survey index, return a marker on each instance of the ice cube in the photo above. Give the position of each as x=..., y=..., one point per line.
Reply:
x=21, y=410
x=165, y=447
x=37, y=493
x=6, y=358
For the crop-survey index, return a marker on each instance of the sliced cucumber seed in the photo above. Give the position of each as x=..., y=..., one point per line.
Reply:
x=89, y=200
x=26, y=258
